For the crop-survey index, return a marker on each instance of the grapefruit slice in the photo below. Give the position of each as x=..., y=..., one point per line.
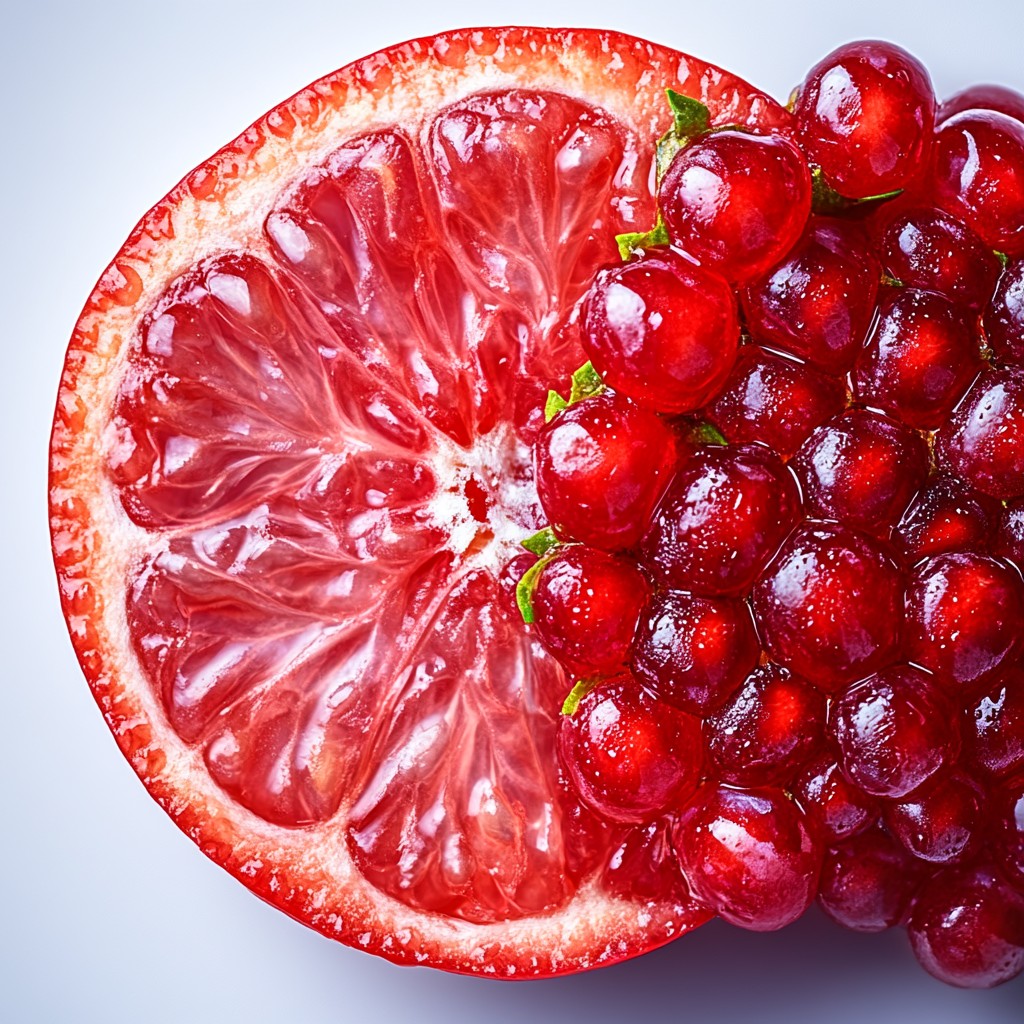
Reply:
x=290, y=456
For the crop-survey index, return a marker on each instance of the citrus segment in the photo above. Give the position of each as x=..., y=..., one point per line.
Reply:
x=291, y=455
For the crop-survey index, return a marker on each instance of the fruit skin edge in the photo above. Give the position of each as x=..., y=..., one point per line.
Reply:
x=78, y=513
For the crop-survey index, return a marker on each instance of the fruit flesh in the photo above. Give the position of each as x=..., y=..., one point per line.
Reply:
x=318, y=882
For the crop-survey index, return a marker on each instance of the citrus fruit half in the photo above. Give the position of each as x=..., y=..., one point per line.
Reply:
x=290, y=456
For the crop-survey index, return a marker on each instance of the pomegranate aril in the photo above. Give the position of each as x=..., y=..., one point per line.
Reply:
x=830, y=605
x=894, y=731
x=774, y=401
x=643, y=865
x=662, y=330
x=586, y=604
x=840, y=809
x=736, y=201
x=630, y=757
x=994, y=729
x=819, y=301
x=750, y=855
x=979, y=176
x=1010, y=538
x=767, y=730
x=861, y=469
x=942, y=821
x=963, y=618
x=1008, y=807
x=945, y=515
x=967, y=927
x=725, y=515
x=1004, y=318
x=927, y=248
x=983, y=442
x=983, y=97
x=601, y=465
x=868, y=882
x=865, y=115
x=693, y=652
x=921, y=357
x=508, y=579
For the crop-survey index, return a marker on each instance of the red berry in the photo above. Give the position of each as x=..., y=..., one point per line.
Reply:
x=861, y=469
x=630, y=757
x=867, y=882
x=725, y=515
x=979, y=176
x=1009, y=835
x=840, y=809
x=984, y=97
x=695, y=651
x=922, y=356
x=983, y=441
x=963, y=618
x=601, y=465
x=1010, y=538
x=941, y=821
x=767, y=730
x=967, y=927
x=586, y=604
x=1004, y=318
x=749, y=855
x=925, y=248
x=865, y=115
x=508, y=579
x=895, y=730
x=736, y=201
x=946, y=515
x=994, y=729
x=829, y=607
x=661, y=330
x=775, y=401
x=818, y=303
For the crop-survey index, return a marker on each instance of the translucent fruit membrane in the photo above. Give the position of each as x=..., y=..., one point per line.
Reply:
x=326, y=440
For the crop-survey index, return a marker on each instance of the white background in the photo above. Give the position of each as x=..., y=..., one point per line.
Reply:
x=108, y=913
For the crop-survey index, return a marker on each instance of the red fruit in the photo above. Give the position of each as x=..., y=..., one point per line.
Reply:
x=508, y=580
x=865, y=115
x=1010, y=539
x=586, y=604
x=1004, y=318
x=818, y=303
x=861, y=469
x=736, y=202
x=926, y=248
x=979, y=176
x=749, y=855
x=867, y=882
x=945, y=515
x=983, y=97
x=942, y=821
x=840, y=809
x=983, y=441
x=994, y=728
x=766, y=731
x=829, y=607
x=1008, y=806
x=923, y=353
x=895, y=730
x=643, y=866
x=773, y=400
x=967, y=927
x=693, y=652
x=963, y=618
x=630, y=758
x=661, y=330
x=601, y=465
x=725, y=515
